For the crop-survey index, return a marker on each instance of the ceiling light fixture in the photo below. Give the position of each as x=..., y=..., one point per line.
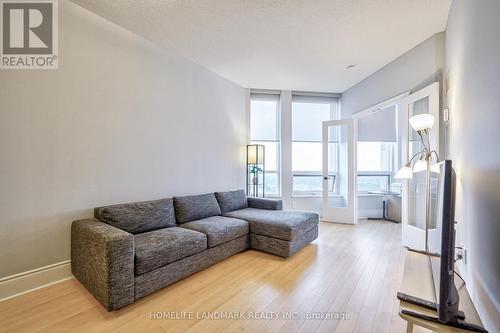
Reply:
x=350, y=67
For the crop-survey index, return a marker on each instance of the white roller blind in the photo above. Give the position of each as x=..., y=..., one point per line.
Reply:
x=264, y=96
x=308, y=114
x=379, y=126
x=264, y=117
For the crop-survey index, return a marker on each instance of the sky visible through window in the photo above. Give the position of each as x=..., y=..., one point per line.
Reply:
x=370, y=156
x=374, y=165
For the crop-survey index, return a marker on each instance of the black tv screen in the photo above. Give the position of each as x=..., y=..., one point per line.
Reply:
x=441, y=239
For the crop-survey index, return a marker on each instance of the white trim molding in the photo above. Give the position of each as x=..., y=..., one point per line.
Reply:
x=381, y=106
x=22, y=283
x=316, y=94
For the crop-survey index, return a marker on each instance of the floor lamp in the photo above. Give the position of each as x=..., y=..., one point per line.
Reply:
x=422, y=124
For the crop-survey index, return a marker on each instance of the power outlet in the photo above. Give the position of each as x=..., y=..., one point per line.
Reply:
x=461, y=254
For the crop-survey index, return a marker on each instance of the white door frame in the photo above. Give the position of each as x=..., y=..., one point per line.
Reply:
x=393, y=101
x=414, y=237
x=348, y=214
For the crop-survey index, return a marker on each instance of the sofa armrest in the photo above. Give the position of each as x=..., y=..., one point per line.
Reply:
x=261, y=203
x=102, y=259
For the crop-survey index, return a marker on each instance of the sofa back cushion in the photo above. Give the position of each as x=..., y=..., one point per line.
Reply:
x=138, y=217
x=231, y=200
x=195, y=207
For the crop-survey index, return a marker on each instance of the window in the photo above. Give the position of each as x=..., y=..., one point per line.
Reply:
x=312, y=184
x=375, y=165
x=373, y=182
x=308, y=113
x=264, y=130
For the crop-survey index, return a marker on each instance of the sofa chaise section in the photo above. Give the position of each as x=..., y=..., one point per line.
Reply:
x=281, y=224
x=280, y=232
x=272, y=229
x=280, y=247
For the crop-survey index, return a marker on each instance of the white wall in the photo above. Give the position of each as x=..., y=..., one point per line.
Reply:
x=473, y=68
x=119, y=121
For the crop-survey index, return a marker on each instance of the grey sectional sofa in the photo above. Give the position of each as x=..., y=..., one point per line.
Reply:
x=130, y=250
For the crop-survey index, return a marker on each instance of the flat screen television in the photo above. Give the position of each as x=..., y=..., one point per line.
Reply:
x=441, y=248
x=441, y=240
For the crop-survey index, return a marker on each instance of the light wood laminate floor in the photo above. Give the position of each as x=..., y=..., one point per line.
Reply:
x=348, y=269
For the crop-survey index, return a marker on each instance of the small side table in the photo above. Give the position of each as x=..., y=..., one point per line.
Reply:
x=391, y=206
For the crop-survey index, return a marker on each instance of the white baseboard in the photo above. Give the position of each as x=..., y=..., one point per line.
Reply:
x=22, y=283
x=366, y=213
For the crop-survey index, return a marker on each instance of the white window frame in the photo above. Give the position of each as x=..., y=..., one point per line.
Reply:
x=284, y=163
x=387, y=174
x=298, y=193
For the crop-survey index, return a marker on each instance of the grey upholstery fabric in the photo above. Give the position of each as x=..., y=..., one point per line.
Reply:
x=262, y=203
x=147, y=283
x=195, y=207
x=281, y=247
x=160, y=247
x=282, y=224
x=138, y=217
x=102, y=259
x=118, y=267
x=231, y=200
x=219, y=229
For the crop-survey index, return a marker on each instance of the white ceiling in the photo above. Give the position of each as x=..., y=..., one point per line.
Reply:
x=282, y=44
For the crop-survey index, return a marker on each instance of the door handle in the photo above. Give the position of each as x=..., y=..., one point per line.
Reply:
x=326, y=178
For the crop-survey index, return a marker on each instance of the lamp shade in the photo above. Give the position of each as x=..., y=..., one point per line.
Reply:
x=422, y=121
x=255, y=154
x=404, y=173
x=421, y=165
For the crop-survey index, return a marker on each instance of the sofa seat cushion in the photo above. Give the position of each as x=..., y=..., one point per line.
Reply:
x=219, y=229
x=281, y=224
x=231, y=200
x=138, y=217
x=195, y=207
x=160, y=247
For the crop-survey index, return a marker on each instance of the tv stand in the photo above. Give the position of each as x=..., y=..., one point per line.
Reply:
x=460, y=324
x=423, y=303
x=418, y=304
